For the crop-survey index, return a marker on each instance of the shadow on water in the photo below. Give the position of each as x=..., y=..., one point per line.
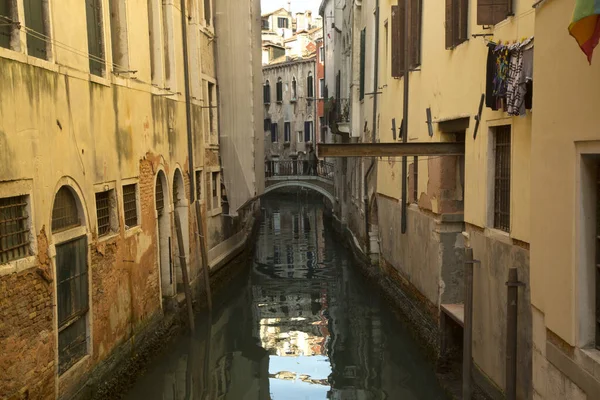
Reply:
x=299, y=323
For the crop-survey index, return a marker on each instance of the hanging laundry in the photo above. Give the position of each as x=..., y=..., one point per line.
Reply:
x=526, y=80
x=515, y=93
x=490, y=99
x=500, y=80
x=585, y=25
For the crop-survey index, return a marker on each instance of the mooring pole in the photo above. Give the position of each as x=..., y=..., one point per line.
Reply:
x=512, y=303
x=203, y=251
x=184, y=273
x=467, y=387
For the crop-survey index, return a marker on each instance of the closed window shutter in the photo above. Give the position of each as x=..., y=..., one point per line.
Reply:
x=463, y=21
x=415, y=33
x=279, y=91
x=310, y=87
x=450, y=24
x=398, y=41
x=363, y=35
x=307, y=131
x=274, y=132
x=490, y=12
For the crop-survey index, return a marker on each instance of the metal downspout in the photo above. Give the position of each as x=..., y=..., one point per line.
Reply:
x=188, y=107
x=405, y=112
x=374, y=128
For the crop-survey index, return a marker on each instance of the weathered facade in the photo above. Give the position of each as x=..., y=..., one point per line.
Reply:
x=451, y=201
x=98, y=153
x=289, y=109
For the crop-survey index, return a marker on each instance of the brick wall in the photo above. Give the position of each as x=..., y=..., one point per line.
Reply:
x=27, y=355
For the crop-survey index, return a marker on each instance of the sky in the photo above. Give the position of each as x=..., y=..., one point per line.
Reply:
x=297, y=5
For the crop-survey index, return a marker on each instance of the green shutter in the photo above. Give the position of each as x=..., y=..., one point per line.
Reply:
x=363, y=35
x=93, y=12
x=34, y=20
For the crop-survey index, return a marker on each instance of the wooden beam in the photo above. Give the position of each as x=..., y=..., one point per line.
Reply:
x=391, y=149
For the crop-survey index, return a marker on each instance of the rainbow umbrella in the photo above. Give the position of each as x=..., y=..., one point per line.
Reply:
x=585, y=25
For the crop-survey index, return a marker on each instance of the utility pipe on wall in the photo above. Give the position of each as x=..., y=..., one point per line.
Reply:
x=405, y=112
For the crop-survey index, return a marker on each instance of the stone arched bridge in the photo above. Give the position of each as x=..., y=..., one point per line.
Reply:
x=296, y=174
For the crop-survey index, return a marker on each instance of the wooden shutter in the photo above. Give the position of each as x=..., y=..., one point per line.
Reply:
x=310, y=87
x=415, y=33
x=363, y=35
x=34, y=20
x=463, y=21
x=280, y=91
x=307, y=131
x=457, y=14
x=490, y=12
x=450, y=24
x=398, y=40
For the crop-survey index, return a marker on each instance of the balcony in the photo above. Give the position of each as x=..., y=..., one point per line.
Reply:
x=338, y=115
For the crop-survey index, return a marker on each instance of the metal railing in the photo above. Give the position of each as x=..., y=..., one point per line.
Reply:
x=298, y=168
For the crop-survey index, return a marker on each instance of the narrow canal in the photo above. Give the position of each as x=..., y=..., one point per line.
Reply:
x=300, y=323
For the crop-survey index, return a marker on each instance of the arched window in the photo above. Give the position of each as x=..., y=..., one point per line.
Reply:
x=65, y=213
x=267, y=92
x=279, y=90
x=72, y=279
x=294, y=86
x=310, y=86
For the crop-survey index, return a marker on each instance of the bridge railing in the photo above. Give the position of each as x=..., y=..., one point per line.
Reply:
x=300, y=168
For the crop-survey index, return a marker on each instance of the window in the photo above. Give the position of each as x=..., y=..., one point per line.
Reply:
x=287, y=131
x=105, y=215
x=72, y=301
x=321, y=88
x=322, y=54
x=93, y=12
x=300, y=136
x=265, y=24
x=457, y=13
x=322, y=126
x=308, y=131
x=294, y=87
x=490, y=12
x=8, y=17
x=154, y=34
x=215, y=190
x=14, y=229
x=198, y=185
x=118, y=35
x=267, y=93
x=279, y=90
x=398, y=32
x=274, y=133
x=207, y=12
x=283, y=22
x=267, y=124
x=65, y=214
x=36, y=17
x=169, y=45
x=211, y=107
x=310, y=86
x=363, y=35
x=159, y=196
x=502, y=149
x=130, y=205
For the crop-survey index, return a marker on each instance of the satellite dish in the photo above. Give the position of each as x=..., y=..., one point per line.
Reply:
x=478, y=116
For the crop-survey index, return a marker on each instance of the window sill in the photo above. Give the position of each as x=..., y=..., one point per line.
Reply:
x=101, y=80
x=77, y=369
x=17, y=266
x=133, y=231
x=108, y=237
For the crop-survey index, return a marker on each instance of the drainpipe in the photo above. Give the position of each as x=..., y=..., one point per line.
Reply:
x=188, y=109
x=374, y=129
x=405, y=106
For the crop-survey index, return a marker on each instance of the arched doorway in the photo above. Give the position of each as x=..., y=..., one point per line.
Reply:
x=180, y=206
x=72, y=281
x=163, y=223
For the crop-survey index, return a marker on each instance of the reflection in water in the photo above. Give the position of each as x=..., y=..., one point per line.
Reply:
x=300, y=324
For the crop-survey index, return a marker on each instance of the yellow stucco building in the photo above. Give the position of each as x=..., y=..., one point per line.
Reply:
x=103, y=145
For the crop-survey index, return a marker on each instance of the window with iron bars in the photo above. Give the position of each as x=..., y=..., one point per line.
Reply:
x=65, y=213
x=130, y=205
x=159, y=197
x=103, y=212
x=502, y=149
x=14, y=229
